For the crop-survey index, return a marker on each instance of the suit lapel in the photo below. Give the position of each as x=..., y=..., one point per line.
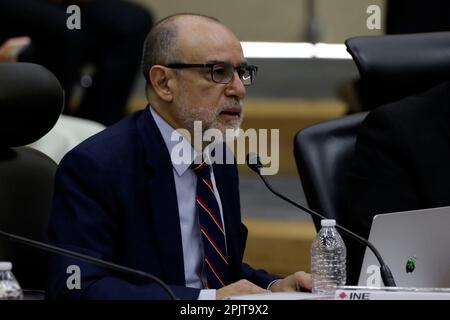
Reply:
x=163, y=199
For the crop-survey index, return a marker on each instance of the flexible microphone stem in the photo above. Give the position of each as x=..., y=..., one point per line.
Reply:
x=86, y=258
x=386, y=274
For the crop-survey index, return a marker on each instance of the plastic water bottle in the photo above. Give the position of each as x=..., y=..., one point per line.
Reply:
x=9, y=287
x=328, y=259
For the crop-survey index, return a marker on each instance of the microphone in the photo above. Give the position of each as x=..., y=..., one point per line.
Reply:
x=89, y=259
x=254, y=163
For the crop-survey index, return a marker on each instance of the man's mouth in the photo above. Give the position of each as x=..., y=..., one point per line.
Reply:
x=233, y=113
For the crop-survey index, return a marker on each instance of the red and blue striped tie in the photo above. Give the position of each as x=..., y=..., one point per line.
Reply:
x=212, y=231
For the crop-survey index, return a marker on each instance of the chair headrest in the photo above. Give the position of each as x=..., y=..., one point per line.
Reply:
x=31, y=101
x=395, y=66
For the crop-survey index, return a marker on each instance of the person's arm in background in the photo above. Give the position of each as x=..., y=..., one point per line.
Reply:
x=379, y=180
x=11, y=48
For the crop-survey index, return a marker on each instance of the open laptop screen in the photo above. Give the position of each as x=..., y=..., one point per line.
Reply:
x=414, y=244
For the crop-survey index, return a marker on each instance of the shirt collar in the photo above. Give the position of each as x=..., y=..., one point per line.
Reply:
x=176, y=144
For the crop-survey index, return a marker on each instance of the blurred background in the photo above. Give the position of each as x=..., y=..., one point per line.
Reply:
x=284, y=20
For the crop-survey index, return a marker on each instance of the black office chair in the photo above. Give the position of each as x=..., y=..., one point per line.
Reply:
x=323, y=154
x=392, y=67
x=31, y=100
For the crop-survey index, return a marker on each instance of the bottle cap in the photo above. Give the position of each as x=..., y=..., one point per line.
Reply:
x=5, y=266
x=328, y=222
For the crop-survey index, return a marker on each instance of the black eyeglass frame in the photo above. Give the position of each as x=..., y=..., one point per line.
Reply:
x=251, y=68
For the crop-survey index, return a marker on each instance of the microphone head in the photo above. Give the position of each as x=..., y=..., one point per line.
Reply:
x=253, y=162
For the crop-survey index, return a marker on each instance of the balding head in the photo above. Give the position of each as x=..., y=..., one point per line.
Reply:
x=180, y=55
x=161, y=45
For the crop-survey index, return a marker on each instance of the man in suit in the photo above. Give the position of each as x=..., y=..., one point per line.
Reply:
x=122, y=196
x=401, y=163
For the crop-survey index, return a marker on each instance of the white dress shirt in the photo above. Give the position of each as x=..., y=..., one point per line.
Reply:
x=186, y=186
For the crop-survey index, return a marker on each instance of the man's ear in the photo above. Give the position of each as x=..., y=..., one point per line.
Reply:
x=161, y=79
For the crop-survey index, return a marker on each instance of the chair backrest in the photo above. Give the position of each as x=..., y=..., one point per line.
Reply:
x=392, y=67
x=31, y=100
x=323, y=154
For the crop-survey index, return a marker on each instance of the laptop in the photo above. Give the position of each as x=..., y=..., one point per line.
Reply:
x=414, y=244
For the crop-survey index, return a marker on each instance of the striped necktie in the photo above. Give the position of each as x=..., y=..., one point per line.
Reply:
x=212, y=230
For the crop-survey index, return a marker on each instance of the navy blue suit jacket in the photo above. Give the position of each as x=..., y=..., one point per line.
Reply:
x=115, y=199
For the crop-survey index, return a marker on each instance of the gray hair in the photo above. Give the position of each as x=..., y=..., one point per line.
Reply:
x=160, y=44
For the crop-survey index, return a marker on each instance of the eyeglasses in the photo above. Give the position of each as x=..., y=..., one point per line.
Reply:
x=223, y=72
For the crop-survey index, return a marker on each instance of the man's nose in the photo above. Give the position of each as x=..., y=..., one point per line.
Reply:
x=236, y=87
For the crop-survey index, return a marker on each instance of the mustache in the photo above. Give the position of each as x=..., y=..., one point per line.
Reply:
x=233, y=104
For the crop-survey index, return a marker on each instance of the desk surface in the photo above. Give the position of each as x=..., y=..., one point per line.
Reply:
x=283, y=296
x=356, y=293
